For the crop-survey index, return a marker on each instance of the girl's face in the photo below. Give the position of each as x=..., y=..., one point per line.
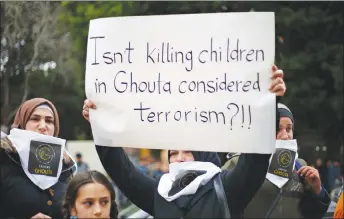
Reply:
x=41, y=121
x=93, y=201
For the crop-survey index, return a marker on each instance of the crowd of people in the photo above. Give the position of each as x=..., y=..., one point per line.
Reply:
x=329, y=173
x=40, y=179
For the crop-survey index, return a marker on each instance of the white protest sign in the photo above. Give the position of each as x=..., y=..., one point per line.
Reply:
x=184, y=82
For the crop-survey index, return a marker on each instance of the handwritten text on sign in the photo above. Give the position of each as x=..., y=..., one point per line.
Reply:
x=188, y=82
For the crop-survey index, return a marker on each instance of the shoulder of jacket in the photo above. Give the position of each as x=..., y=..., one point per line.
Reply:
x=231, y=163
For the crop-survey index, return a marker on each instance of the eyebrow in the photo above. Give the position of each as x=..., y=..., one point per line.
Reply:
x=91, y=199
x=289, y=124
x=36, y=115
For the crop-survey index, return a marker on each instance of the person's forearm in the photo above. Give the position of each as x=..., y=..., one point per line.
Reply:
x=138, y=187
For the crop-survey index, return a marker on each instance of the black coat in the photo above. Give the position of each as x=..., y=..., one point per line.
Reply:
x=19, y=197
x=240, y=186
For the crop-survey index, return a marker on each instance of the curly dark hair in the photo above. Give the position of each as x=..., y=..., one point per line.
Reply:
x=81, y=179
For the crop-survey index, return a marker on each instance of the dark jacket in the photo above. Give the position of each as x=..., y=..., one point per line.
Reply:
x=294, y=200
x=324, y=175
x=19, y=197
x=240, y=186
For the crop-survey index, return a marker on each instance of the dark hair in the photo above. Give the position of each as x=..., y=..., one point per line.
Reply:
x=81, y=179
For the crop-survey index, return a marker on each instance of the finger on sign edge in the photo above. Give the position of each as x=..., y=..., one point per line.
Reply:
x=277, y=88
x=278, y=73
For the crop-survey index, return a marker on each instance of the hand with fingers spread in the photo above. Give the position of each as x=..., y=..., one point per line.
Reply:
x=277, y=85
x=312, y=177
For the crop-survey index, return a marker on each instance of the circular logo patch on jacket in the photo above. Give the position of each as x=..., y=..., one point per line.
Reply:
x=45, y=153
x=284, y=158
x=187, y=179
x=184, y=179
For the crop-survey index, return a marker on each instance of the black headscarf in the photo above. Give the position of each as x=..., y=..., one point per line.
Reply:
x=284, y=111
x=204, y=157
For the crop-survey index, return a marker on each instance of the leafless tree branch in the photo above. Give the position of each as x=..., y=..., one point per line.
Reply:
x=37, y=23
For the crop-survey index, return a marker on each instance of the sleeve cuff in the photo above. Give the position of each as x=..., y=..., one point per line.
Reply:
x=322, y=194
x=323, y=197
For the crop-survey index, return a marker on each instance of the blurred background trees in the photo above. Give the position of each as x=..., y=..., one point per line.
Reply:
x=36, y=61
x=43, y=52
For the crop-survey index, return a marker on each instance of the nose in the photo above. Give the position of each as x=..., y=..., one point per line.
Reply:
x=282, y=135
x=97, y=211
x=42, y=126
x=180, y=157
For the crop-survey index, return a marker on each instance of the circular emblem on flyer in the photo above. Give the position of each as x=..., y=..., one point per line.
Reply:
x=284, y=158
x=187, y=179
x=45, y=153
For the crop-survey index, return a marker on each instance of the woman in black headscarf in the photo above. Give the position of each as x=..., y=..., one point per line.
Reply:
x=195, y=186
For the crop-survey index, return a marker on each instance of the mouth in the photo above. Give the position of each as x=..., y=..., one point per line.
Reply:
x=43, y=132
